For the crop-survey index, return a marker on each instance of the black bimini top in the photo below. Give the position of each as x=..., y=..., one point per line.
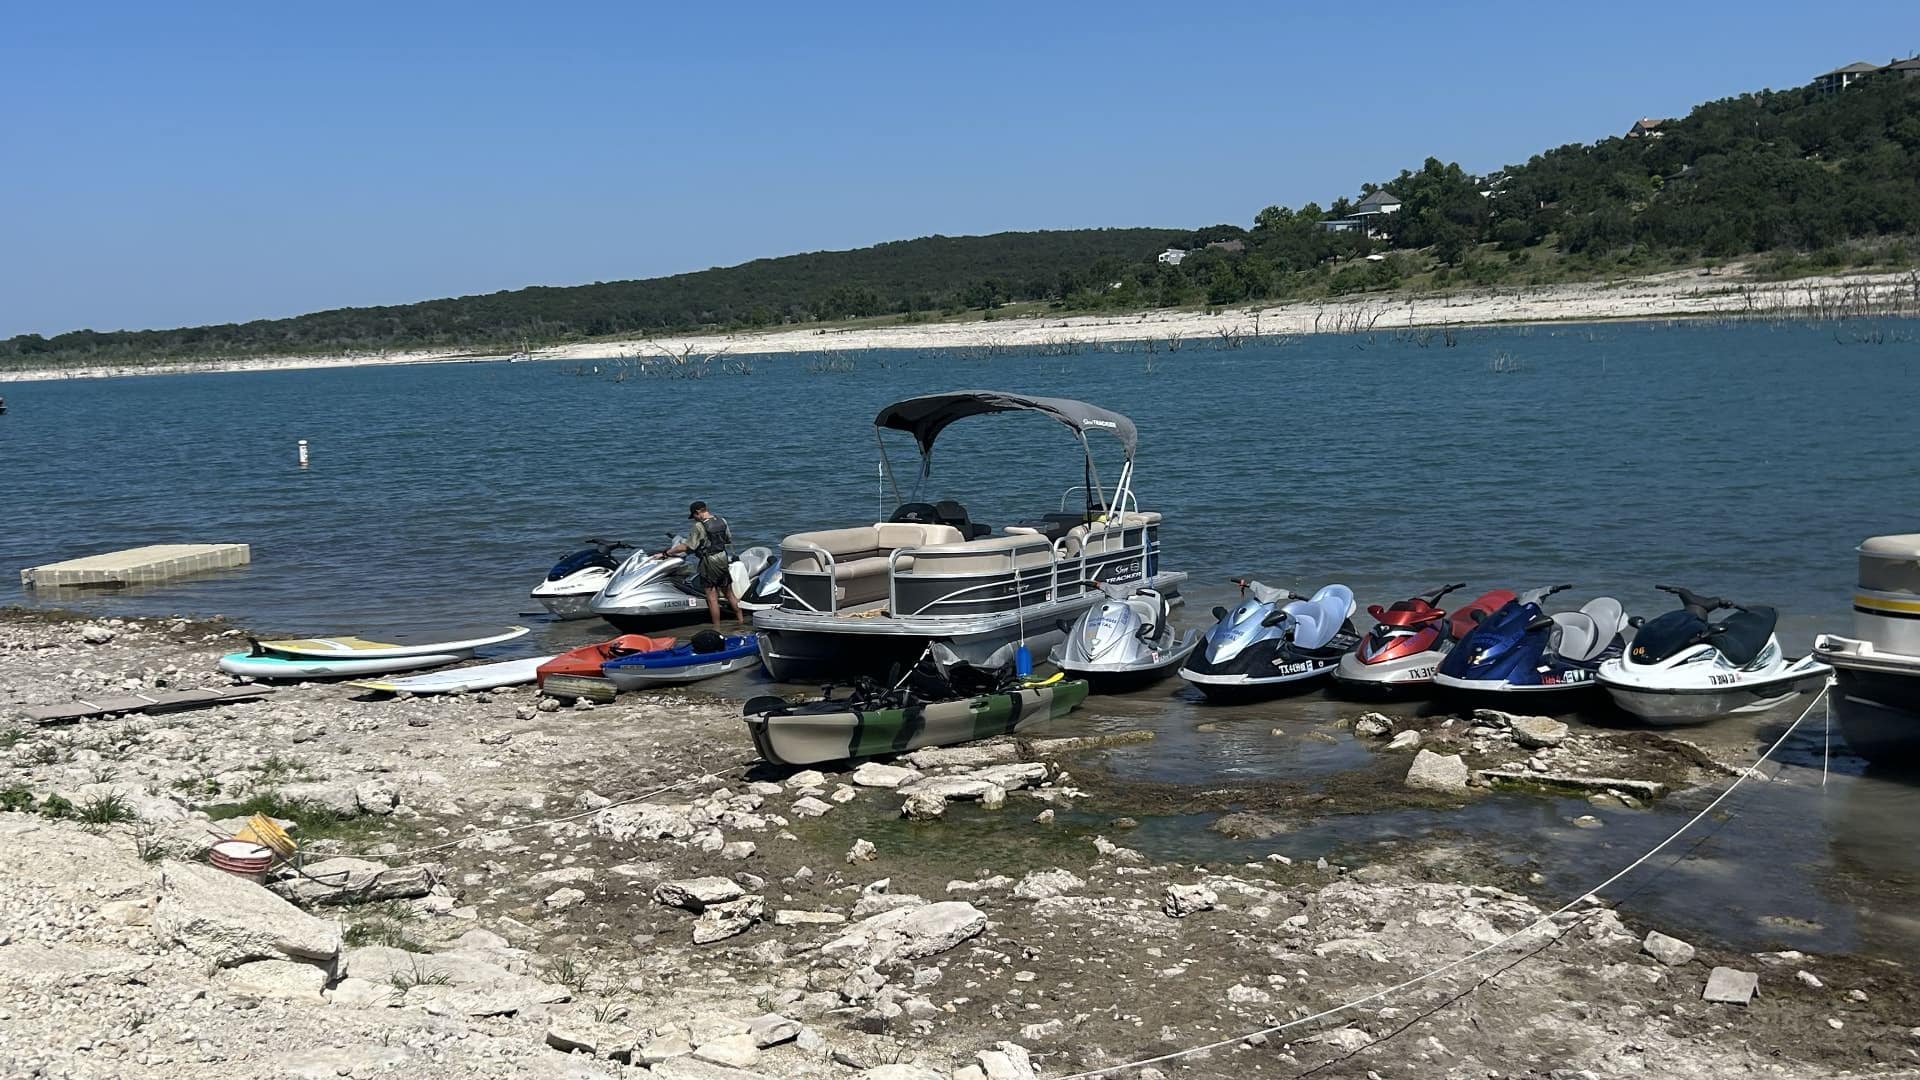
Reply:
x=927, y=416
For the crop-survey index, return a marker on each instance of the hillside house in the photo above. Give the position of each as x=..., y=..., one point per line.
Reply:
x=1842, y=77
x=1172, y=257
x=1908, y=68
x=1378, y=203
x=1646, y=128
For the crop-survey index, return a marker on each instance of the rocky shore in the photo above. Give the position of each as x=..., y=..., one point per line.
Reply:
x=489, y=885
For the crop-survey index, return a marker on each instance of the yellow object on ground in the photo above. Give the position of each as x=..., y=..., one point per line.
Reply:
x=264, y=831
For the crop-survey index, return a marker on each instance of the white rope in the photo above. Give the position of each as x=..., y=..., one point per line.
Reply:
x=1455, y=965
x=542, y=823
x=1826, y=753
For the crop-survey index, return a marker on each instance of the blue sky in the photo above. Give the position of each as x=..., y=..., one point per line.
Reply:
x=166, y=165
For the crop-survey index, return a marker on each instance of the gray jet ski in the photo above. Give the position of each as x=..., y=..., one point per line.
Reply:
x=1125, y=642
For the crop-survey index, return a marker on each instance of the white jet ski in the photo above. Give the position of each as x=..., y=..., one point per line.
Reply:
x=650, y=590
x=1684, y=668
x=1125, y=642
x=577, y=579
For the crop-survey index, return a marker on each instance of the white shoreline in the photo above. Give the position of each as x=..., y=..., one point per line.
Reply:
x=1676, y=294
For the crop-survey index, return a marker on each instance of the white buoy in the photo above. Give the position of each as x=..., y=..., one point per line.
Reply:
x=303, y=453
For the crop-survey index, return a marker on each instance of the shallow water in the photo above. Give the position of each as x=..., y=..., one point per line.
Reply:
x=1744, y=460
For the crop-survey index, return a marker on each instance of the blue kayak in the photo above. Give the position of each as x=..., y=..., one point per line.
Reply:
x=681, y=664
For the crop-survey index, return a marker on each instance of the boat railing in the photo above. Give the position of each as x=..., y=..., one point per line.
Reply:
x=826, y=570
x=1128, y=501
x=995, y=590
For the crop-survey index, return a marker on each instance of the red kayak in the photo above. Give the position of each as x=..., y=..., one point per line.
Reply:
x=586, y=659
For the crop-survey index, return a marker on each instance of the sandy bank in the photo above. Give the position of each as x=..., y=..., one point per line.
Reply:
x=1677, y=294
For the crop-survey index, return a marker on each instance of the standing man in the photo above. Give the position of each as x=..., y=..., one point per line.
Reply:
x=710, y=541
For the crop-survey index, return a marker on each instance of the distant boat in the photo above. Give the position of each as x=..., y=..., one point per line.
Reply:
x=525, y=355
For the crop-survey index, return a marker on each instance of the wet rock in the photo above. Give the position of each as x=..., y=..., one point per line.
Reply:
x=696, y=894
x=923, y=806
x=993, y=798
x=1588, y=821
x=772, y=1029
x=808, y=806
x=1042, y=884
x=1809, y=980
x=721, y=921
x=1044, y=817
x=1073, y=744
x=1538, y=732
x=738, y=849
x=951, y=787
x=1244, y=826
x=1437, y=772
x=1014, y=776
x=908, y=933
x=229, y=921
x=1670, y=951
x=875, y=775
x=1373, y=726
x=1180, y=901
x=1406, y=740
x=1731, y=986
x=862, y=851
x=1110, y=850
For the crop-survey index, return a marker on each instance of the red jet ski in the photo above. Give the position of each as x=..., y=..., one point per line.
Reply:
x=1404, y=648
x=586, y=659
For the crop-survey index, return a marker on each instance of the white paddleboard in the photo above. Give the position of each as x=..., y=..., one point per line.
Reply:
x=297, y=667
x=462, y=680
x=354, y=648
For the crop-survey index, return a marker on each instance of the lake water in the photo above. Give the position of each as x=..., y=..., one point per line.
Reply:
x=1743, y=460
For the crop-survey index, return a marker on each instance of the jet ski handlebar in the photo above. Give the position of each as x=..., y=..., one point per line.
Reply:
x=1534, y=596
x=1700, y=606
x=607, y=545
x=1444, y=590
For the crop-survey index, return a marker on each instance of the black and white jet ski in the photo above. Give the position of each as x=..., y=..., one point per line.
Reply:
x=576, y=579
x=651, y=590
x=1684, y=668
x=1272, y=641
x=1125, y=642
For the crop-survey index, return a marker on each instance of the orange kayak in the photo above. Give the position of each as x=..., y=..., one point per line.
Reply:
x=586, y=659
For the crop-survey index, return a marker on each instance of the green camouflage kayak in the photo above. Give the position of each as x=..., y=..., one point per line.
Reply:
x=821, y=731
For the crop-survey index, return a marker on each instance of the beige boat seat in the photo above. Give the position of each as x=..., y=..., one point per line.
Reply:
x=861, y=554
x=1104, y=537
x=993, y=554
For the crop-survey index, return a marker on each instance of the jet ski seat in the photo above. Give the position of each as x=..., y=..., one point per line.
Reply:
x=1316, y=620
x=1742, y=635
x=1585, y=634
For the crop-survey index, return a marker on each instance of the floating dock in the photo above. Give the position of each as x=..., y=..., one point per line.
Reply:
x=137, y=566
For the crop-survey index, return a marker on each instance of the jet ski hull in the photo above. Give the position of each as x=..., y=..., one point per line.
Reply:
x=1679, y=706
x=565, y=607
x=1405, y=676
x=1119, y=677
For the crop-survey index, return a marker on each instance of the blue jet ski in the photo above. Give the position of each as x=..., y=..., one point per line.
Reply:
x=1520, y=650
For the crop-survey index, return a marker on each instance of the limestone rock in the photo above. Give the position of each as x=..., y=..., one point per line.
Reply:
x=1731, y=986
x=1670, y=951
x=862, y=851
x=1180, y=901
x=562, y=899
x=1013, y=776
x=874, y=774
x=355, y=881
x=792, y=917
x=1538, y=732
x=375, y=797
x=362, y=994
x=1373, y=726
x=806, y=778
x=584, y=1035
x=689, y=1068
x=697, y=894
x=951, y=787
x=908, y=933
x=1348, y=1039
x=772, y=1029
x=1406, y=740
x=1006, y=1061
x=1042, y=884
x=643, y=821
x=901, y=1071
x=1438, y=772
x=337, y=798
x=737, y=850
x=665, y=1047
x=923, y=806
x=970, y=755
x=721, y=921
x=277, y=978
x=810, y=807
x=734, y=1051
x=229, y=921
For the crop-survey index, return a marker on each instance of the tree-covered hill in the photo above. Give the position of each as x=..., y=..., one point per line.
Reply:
x=924, y=275
x=1816, y=179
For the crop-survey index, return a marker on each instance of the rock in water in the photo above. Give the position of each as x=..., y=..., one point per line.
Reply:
x=1538, y=732
x=1373, y=726
x=1437, y=772
x=923, y=806
x=229, y=921
x=862, y=851
x=1180, y=901
x=874, y=774
x=1731, y=986
x=1244, y=826
x=1406, y=740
